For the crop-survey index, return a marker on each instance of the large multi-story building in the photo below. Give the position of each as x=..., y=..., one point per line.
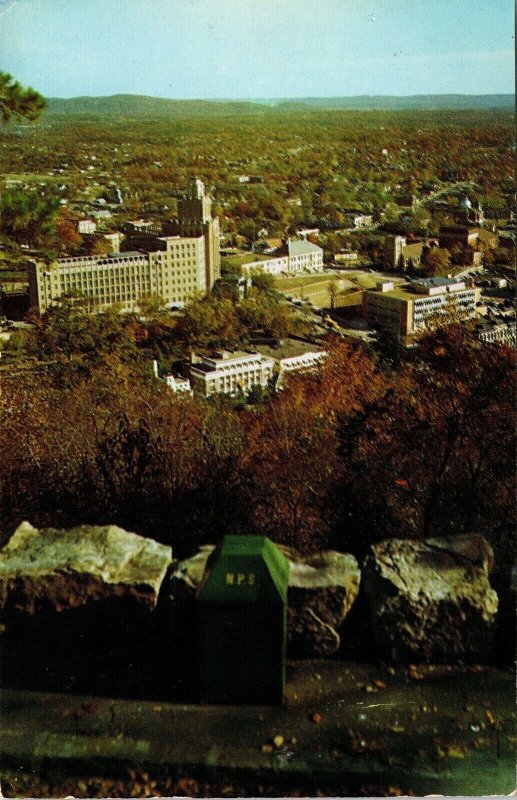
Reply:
x=407, y=309
x=174, y=267
x=195, y=219
x=230, y=373
x=233, y=372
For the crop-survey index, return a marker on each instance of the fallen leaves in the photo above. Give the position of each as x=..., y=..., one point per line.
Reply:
x=415, y=674
x=453, y=750
x=491, y=717
x=275, y=743
x=316, y=718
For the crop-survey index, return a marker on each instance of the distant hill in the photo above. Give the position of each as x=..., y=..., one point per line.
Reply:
x=132, y=105
x=427, y=102
x=129, y=105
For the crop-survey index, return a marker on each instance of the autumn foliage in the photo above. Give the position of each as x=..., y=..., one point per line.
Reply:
x=342, y=458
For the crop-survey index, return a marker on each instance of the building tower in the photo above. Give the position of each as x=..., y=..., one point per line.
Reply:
x=195, y=219
x=393, y=252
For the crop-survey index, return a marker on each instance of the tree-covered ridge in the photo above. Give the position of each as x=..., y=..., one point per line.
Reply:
x=141, y=105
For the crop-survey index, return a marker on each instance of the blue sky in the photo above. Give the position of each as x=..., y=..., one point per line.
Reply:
x=258, y=48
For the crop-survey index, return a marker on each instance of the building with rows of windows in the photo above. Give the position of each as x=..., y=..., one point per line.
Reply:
x=174, y=266
x=407, y=309
x=230, y=373
x=298, y=255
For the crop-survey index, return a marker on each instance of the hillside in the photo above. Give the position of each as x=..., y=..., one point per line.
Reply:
x=429, y=102
x=129, y=105
x=132, y=105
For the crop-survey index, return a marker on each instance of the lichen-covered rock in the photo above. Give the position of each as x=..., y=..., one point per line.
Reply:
x=431, y=600
x=53, y=569
x=322, y=588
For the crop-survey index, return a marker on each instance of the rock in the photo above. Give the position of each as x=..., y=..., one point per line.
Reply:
x=431, y=600
x=79, y=610
x=61, y=569
x=322, y=588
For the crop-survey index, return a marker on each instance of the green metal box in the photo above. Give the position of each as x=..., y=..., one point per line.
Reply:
x=243, y=623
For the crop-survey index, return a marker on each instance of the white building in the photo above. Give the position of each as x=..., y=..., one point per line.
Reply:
x=177, y=384
x=503, y=332
x=342, y=257
x=293, y=355
x=273, y=266
x=304, y=232
x=301, y=256
x=230, y=373
x=359, y=220
x=87, y=226
x=304, y=255
x=114, y=240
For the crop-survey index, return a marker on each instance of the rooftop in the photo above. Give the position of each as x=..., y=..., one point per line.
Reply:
x=289, y=348
x=407, y=291
x=214, y=361
x=413, y=249
x=436, y=281
x=299, y=247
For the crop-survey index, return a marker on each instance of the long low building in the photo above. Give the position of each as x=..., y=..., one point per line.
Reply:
x=498, y=332
x=293, y=355
x=297, y=256
x=232, y=372
x=407, y=309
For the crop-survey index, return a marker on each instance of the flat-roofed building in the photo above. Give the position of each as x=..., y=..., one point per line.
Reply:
x=87, y=226
x=293, y=355
x=230, y=372
x=407, y=309
x=273, y=266
x=174, y=267
x=500, y=332
x=176, y=383
x=174, y=272
x=357, y=219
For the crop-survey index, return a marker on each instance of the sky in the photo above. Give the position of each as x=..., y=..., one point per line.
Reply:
x=259, y=48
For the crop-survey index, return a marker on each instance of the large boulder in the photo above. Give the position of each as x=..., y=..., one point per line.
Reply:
x=431, y=600
x=322, y=588
x=55, y=569
x=78, y=608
